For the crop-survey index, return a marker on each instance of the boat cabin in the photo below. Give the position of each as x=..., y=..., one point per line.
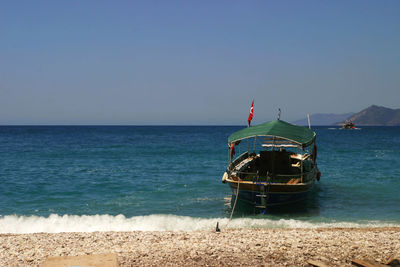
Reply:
x=278, y=158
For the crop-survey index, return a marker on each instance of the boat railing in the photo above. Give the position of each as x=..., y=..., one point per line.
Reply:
x=238, y=159
x=247, y=175
x=256, y=177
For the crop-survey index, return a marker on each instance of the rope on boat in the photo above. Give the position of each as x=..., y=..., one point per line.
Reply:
x=234, y=205
x=233, y=209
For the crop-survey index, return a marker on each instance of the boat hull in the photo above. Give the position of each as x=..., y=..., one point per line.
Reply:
x=263, y=195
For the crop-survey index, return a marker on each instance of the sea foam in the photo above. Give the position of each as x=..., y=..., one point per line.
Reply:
x=85, y=223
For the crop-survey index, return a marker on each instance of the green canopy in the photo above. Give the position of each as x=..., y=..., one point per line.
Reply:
x=297, y=134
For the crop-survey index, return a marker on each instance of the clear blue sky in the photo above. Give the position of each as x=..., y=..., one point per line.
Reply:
x=195, y=62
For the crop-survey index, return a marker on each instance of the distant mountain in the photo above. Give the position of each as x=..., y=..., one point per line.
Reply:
x=322, y=119
x=376, y=116
x=371, y=116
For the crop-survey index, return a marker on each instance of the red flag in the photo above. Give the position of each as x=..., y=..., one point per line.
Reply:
x=232, y=150
x=251, y=113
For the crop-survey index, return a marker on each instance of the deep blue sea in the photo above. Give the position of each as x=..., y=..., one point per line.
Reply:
x=125, y=178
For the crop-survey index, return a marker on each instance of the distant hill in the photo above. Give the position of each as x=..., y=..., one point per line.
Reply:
x=324, y=119
x=371, y=116
x=376, y=116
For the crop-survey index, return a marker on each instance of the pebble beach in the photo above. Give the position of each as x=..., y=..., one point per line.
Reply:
x=230, y=247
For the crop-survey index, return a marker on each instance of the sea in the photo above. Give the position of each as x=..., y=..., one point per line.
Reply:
x=168, y=178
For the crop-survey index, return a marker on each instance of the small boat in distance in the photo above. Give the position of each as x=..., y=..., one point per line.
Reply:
x=348, y=124
x=278, y=165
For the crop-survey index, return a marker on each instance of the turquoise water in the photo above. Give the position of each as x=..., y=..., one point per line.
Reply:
x=93, y=178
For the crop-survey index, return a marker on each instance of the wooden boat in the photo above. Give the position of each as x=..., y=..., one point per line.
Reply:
x=348, y=124
x=278, y=165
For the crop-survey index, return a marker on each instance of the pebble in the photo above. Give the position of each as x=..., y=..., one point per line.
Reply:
x=231, y=247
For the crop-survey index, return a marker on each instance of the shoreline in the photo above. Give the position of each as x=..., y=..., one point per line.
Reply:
x=230, y=247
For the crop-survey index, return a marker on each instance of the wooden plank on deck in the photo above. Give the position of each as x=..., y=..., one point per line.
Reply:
x=317, y=263
x=95, y=260
x=366, y=263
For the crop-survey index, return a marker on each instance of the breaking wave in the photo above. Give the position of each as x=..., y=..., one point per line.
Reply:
x=85, y=223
